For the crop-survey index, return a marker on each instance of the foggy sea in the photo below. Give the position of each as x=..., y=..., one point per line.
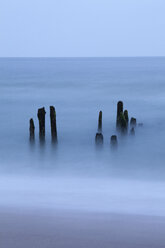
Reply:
x=76, y=174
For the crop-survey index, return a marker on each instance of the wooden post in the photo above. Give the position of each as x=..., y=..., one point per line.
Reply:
x=113, y=140
x=126, y=116
x=32, y=130
x=53, y=123
x=122, y=123
x=133, y=122
x=41, y=118
x=99, y=139
x=119, y=111
x=100, y=122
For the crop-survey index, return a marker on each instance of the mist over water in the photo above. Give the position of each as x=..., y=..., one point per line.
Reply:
x=79, y=88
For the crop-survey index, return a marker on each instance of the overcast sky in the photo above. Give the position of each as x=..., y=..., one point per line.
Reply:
x=82, y=28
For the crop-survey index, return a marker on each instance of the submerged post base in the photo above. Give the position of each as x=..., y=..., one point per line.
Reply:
x=99, y=139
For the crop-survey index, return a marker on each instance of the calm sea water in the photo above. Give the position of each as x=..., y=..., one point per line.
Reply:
x=79, y=88
x=75, y=174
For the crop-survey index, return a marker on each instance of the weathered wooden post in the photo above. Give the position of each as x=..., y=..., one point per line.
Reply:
x=126, y=116
x=41, y=118
x=32, y=130
x=113, y=140
x=53, y=123
x=100, y=122
x=133, y=122
x=119, y=111
x=99, y=139
x=122, y=123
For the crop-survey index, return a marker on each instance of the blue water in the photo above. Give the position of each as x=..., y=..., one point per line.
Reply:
x=79, y=88
x=75, y=174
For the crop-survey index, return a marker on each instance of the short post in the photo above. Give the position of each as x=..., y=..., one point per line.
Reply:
x=133, y=122
x=53, y=123
x=113, y=140
x=100, y=122
x=32, y=130
x=41, y=118
x=99, y=139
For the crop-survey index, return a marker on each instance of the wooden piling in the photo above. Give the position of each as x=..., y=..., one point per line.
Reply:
x=41, y=118
x=133, y=122
x=113, y=140
x=99, y=139
x=126, y=116
x=32, y=130
x=119, y=111
x=122, y=123
x=53, y=123
x=100, y=122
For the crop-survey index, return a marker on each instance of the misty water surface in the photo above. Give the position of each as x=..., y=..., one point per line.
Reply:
x=79, y=88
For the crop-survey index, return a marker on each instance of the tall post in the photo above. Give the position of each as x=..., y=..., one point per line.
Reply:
x=100, y=122
x=122, y=123
x=126, y=116
x=53, y=123
x=41, y=118
x=32, y=130
x=119, y=111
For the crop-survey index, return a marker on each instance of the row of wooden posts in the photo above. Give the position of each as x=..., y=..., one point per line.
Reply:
x=122, y=123
x=41, y=118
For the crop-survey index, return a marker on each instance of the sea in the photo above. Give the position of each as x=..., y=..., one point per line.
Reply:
x=76, y=173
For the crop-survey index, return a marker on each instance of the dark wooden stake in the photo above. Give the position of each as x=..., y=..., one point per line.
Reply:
x=41, y=118
x=113, y=140
x=119, y=111
x=32, y=130
x=100, y=122
x=122, y=123
x=126, y=116
x=133, y=122
x=99, y=139
x=53, y=123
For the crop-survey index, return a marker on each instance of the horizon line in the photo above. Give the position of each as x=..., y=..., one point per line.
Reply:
x=70, y=57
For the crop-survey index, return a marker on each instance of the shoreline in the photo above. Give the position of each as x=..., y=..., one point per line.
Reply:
x=48, y=229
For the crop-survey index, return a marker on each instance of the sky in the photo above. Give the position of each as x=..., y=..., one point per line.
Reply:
x=82, y=28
